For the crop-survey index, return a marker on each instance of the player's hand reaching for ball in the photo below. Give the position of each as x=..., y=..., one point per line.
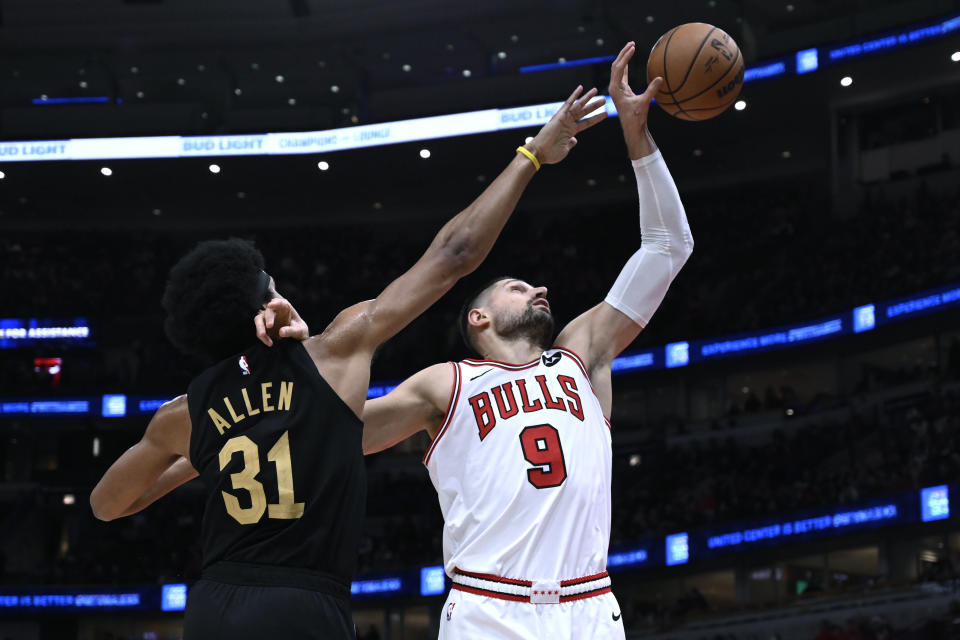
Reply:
x=278, y=319
x=632, y=108
x=554, y=141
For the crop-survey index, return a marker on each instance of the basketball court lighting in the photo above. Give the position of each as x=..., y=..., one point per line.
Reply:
x=107, y=171
x=956, y=56
x=323, y=165
x=740, y=105
x=2, y=175
x=846, y=81
x=214, y=168
x=466, y=73
x=424, y=153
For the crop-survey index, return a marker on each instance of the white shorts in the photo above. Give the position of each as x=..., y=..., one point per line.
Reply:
x=468, y=616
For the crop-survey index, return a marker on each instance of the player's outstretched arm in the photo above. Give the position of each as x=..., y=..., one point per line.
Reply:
x=418, y=403
x=601, y=333
x=344, y=350
x=137, y=473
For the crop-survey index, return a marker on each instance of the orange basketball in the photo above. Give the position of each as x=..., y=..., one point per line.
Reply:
x=702, y=71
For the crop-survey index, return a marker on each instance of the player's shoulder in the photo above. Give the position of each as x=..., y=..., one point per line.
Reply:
x=439, y=375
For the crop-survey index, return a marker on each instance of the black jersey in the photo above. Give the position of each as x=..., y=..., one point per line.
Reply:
x=281, y=456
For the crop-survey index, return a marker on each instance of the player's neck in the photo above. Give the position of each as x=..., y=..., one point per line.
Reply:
x=513, y=351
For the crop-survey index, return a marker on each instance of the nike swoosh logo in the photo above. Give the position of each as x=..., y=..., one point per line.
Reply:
x=616, y=616
x=481, y=375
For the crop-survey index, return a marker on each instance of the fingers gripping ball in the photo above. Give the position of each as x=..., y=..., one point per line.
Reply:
x=702, y=71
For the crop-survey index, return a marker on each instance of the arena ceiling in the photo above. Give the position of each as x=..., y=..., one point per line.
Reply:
x=179, y=59
x=182, y=67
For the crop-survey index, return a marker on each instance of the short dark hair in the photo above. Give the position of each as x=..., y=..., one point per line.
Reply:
x=212, y=295
x=471, y=303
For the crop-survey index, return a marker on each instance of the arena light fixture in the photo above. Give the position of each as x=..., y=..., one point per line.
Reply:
x=424, y=153
x=107, y=171
x=740, y=105
x=323, y=165
x=956, y=56
x=846, y=81
x=467, y=73
x=2, y=175
x=214, y=168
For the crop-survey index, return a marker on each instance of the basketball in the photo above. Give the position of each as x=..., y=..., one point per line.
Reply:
x=702, y=71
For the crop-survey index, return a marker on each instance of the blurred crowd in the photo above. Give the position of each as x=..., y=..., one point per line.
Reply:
x=761, y=259
x=883, y=450
x=878, y=453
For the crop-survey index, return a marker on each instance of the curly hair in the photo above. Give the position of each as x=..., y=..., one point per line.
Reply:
x=472, y=302
x=211, y=297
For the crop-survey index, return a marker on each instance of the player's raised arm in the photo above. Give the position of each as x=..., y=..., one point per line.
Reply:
x=344, y=349
x=608, y=328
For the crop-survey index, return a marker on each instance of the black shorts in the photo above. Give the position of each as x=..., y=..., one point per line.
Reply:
x=235, y=601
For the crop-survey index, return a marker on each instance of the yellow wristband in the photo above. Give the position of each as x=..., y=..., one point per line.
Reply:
x=529, y=154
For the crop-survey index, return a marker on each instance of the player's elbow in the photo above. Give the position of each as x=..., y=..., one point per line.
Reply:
x=460, y=258
x=686, y=247
x=371, y=445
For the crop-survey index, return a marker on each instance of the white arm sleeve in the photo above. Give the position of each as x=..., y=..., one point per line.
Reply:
x=666, y=243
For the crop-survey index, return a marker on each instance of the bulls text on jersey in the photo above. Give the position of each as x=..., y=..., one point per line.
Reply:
x=510, y=398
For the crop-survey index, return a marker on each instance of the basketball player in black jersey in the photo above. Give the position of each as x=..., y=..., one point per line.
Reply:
x=274, y=434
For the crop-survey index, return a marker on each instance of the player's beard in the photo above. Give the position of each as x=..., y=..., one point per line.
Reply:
x=532, y=324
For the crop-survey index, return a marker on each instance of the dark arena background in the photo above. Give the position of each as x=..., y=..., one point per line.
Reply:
x=786, y=431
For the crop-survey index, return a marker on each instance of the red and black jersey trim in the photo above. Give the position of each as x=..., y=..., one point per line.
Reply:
x=485, y=584
x=493, y=578
x=489, y=593
x=448, y=417
x=575, y=357
x=501, y=365
x=596, y=576
x=583, y=368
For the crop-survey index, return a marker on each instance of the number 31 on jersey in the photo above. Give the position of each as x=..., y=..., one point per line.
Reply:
x=246, y=479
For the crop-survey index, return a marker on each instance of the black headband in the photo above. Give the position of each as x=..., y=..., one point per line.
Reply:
x=263, y=286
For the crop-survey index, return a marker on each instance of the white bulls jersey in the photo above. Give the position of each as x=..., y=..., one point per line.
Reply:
x=522, y=468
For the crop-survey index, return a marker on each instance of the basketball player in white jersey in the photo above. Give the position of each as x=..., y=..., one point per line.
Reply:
x=520, y=453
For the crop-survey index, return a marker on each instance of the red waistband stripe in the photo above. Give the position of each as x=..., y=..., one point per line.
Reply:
x=537, y=592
